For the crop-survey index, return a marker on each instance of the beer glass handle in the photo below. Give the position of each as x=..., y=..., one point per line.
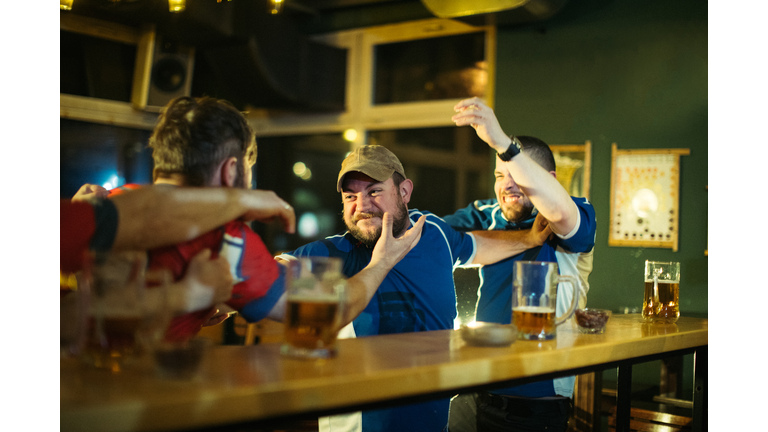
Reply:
x=578, y=289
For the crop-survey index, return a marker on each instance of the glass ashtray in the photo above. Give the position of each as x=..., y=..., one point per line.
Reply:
x=488, y=334
x=592, y=321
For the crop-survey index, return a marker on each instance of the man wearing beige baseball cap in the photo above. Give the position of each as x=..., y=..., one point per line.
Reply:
x=417, y=292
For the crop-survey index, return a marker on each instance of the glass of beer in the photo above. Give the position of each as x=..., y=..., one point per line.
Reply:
x=315, y=294
x=661, y=300
x=123, y=316
x=534, y=299
x=73, y=314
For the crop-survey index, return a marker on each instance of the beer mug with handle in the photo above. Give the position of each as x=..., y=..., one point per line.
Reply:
x=534, y=299
x=124, y=316
x=315, y=294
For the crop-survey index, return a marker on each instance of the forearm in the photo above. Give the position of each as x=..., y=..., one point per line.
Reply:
x=360, y=290
x=494, y=246
x=155, y=216
x=545, y=192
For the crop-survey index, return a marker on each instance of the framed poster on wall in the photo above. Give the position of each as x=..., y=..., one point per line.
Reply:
x=573, y=164
x=645, y=187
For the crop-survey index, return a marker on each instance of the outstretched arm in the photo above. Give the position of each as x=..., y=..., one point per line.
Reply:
x=154, y=216
x=493, y=246
x=539, y=185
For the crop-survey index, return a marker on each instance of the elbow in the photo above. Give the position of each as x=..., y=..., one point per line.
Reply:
x=563, y=222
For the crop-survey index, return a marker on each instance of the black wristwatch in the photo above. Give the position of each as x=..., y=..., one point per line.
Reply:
x=514, y=149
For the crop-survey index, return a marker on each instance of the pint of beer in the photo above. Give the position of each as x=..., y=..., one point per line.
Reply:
x=661, y=299
x=534, y=299
x=111, y=341
x=315, y=298
x=120, y=313
x=534, y=321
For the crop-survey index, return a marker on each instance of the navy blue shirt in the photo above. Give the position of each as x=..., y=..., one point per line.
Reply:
x=418, y=294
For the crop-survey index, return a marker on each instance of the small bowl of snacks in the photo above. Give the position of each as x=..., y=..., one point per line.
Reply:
x=488, y=334
x=592, y=321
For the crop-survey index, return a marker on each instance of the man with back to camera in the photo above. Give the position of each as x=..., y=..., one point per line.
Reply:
x=90, y=222
x=418, y=293
x=526, y=188
x=207, y=142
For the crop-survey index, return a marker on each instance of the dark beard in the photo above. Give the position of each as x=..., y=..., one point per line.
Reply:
x=518, y=213
x=398, y=225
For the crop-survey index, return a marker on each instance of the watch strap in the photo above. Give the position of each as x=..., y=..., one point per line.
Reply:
x=513, y=150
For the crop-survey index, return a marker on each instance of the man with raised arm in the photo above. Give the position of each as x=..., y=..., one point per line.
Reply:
x=526, y=188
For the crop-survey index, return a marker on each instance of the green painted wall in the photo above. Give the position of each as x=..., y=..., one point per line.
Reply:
x=629, y=72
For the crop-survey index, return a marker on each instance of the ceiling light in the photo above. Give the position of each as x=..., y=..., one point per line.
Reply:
x=275, y=6
x=177, y=5
x=66, y=4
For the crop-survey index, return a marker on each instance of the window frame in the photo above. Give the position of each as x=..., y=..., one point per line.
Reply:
x=363, y=115
x=360, y=113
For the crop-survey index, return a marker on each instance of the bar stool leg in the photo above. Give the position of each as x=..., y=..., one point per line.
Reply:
x=700, y=390
x=623, y=397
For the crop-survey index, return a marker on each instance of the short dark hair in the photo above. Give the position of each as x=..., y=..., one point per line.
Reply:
x=194, y=135
x=539, y=151
x=397, y=179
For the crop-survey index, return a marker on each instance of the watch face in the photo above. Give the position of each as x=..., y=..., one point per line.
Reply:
x=512, y=151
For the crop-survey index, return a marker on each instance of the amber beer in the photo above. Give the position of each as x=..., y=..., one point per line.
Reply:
x=315, y=292
x=534, y=322
x=112, y=340
x=667, y=308
x=534, y=297
x=311, y=323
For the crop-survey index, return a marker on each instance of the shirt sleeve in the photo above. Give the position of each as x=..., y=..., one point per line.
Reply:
x=258, y=309
x=582, y=237
x=83, y=226
x=105, y=214
x=471, y=217
x=462, y=245
x=316, y=248
x=259, y=282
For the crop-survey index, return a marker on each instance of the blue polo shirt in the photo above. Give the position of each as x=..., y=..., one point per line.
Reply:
x=416, y=295
x=495, y=292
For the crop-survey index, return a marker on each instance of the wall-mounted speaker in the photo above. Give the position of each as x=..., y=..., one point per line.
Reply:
x=163, y=71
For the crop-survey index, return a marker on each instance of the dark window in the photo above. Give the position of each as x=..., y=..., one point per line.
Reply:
x=450, y=67
x=302, y=170
x=94, y=67
x=98, y=154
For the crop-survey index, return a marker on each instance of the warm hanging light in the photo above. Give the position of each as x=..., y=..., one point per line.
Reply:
x=350, y=135
x=275, y=6
x=177, y=5
x=66, y=4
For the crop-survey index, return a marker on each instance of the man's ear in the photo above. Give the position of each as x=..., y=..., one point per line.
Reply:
x=228, y=172
x=406, y=188
x=554, y=173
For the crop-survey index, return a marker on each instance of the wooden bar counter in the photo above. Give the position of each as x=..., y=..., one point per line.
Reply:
x=255, y=383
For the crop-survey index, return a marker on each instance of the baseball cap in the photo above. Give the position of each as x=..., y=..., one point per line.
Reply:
x=375, y=161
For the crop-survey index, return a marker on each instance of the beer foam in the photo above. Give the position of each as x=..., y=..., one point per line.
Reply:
x=317, y=298
x=534, y=309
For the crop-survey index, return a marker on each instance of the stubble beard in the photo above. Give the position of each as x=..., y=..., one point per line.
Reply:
x=369, y=238
x=517, y=212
